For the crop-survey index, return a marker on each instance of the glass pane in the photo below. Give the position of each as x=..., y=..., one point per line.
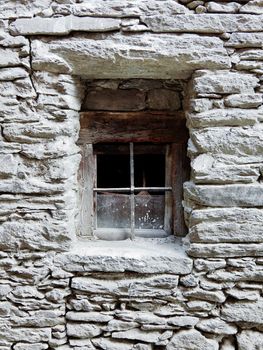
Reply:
x=113, y=170
x=149, y=211
x=149, y=170
x=113, y=210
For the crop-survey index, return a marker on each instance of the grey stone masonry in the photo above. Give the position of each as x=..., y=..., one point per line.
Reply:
x=199, y=59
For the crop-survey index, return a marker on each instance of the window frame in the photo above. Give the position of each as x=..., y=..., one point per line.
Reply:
x=126, y=127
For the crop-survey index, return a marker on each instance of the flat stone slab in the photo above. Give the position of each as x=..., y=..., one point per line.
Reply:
x=119, y=256
x=138, y=56
x=62, y=25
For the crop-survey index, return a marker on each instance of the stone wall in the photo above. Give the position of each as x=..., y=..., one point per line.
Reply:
x=58, y=292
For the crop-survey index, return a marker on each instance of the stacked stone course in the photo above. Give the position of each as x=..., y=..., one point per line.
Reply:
x=204, y=295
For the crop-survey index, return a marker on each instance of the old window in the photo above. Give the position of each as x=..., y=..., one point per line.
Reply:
x=131, y=175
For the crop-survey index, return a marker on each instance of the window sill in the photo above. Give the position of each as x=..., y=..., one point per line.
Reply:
x=158, y=255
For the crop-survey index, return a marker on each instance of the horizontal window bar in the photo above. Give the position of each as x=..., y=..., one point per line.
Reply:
x=122, y=189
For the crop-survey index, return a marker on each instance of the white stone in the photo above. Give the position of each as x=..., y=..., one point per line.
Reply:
x=126, y=256
x=211, y=250
x=250, y=340
x=182, y=321
x=243, y=294
x=12, y=73
x=161, y=286
x=198, y=293
x=27, y=292
x=8, y=165
x=25, y=8
x=137, y=334
x=82, y=330
x=208, y=170
x=216, y=326
x=221, y=224
x=237, y=275
x=88, y=317
x=224, y=82
x=191, y=340
x=26, y=346
x=254, y=6
x=177, y=56
x=62, y=25
x=249, y=313
x=244, y=100
x=210, y=23
x=240, y=141
x=251, y=55
x=29, y=335
x=39, y=319
x=231, y=7
x=229, y=116
x=209, y=264
x=242, y=195
x=126, y=9
x=242, y=40
x=119, y=325
x=111, y=344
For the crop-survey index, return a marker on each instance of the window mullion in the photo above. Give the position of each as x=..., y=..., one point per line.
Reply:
x=132, y=198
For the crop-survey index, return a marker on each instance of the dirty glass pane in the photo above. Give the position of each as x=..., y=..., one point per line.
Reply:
x=113, y=210
x=149, y=211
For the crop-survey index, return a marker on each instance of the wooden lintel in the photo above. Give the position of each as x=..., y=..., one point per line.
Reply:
x=145, y=126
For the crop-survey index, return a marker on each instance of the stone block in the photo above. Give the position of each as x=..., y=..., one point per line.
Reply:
x=241, y=195
x=177, y=55
x=224, y=82
x=216, y=326
x=244, y=313
x=139, y=335
x=225, y=117
x=209, y=23
x=35, y=236
x=62, y=25
x=244, y=100
x=127, y=9
x=9, y=58
x=8, y=165
x=78, y=330
x=7, y=74
x=114, y=100
x=191, y=340
x=27, y=346
x=209, y=170
x=125, y=256
x=208, y=250
x=88, y=317
x=250, y=339
x=238, y=141
x=163, y=285
x=254, y=6
x=245, y=40
x=40, y=319
x=198, y=293
x=215, y=7
x=220, y=225
x=29, y=335
x=27, y=8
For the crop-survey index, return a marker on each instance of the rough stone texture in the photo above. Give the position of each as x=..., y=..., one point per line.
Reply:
x=60, y=292
x=250, y=340
x=191, y=339
x=177, y=55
